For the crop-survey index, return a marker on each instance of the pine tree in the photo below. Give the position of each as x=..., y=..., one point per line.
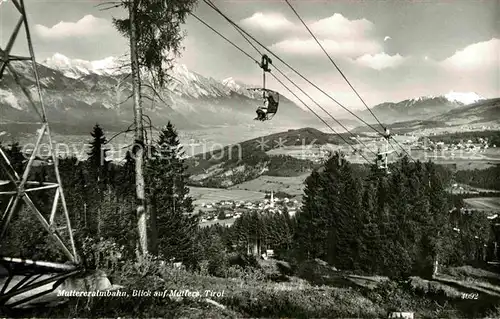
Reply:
x=125, y=180
x=312, y=226
x=75, y=184
x=98, y=170
x=171, y=222
x=98, y=163
x=439, y=226
x=318, y=223
x=16, y=157
x=154, y=31
x=349, y=221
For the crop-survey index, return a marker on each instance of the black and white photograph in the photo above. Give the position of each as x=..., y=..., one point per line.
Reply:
x=250, y=159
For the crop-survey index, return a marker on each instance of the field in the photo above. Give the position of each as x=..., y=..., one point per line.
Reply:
x=224, y=222
x=462, y=159
x=290, y=185
x=212, y=195
x=211, y=139
x=194, y=141
x=484, y=203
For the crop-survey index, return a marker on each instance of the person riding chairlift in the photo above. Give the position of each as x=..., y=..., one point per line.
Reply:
x=262, y=110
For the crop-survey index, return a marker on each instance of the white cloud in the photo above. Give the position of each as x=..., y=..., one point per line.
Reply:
x=476, y=56
x=86, y=26
x=339, y=27
x=268, y=21
x=347, y=48
x=339, y=36
x=380, y=61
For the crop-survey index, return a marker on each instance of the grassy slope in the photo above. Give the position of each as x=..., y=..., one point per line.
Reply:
x=290, y=185
x=330, y=294
x=484, y=203
x=248, y=160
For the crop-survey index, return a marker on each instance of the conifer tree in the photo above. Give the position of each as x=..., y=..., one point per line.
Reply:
x=126, y=180
x=154, y=31
x=312, y=229
x=98, y=163
x=439, y=226
x=317, y=232
x=171, y=221
x=75, y=184
x=16, y=157
x=98, y=170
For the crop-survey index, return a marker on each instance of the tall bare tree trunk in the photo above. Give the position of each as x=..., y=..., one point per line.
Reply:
x=99, y=218
x=139, y=134
x=435, y=266
x=153, y=224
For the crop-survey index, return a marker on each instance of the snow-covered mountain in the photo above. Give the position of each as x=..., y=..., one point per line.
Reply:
x=81, y=93
x=421, y=108
x=464, y=98
x=76, y=68
x=183, y=81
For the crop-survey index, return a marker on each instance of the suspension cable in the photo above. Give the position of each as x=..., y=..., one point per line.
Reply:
x=342, y=74
x=306, y=94
x=212, y=5
x=277, y=79
x=333, y=62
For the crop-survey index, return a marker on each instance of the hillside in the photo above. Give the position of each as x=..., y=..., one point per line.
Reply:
x=248, y=160
x=402, y=127
x=420, y=108
x=484, y=114
x=487, y=111
x=83, y=92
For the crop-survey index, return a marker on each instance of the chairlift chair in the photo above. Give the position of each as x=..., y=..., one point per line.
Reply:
x=381, y=161
x=270, y=97
x=271, y=103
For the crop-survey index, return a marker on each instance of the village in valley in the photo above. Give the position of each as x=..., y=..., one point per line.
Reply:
x=227, y=211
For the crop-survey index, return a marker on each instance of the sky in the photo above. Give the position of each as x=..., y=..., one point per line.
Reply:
x=390, y=50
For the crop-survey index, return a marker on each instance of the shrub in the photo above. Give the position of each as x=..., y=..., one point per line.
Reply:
x=102, y=254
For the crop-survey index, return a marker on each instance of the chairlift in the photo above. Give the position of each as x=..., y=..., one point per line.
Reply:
x=381, y=159
x=270, y=106
x=270, y=98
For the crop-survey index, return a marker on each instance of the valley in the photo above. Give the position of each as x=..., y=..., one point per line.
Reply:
x=484, y=203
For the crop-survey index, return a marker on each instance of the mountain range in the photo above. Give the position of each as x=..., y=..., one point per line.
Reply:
x=421, y=108
x=79, y=94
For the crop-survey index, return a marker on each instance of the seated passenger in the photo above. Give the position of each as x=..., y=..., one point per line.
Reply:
x=262, y=111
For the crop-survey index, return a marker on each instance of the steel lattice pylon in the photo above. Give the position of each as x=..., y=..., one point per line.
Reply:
x=20, y=184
